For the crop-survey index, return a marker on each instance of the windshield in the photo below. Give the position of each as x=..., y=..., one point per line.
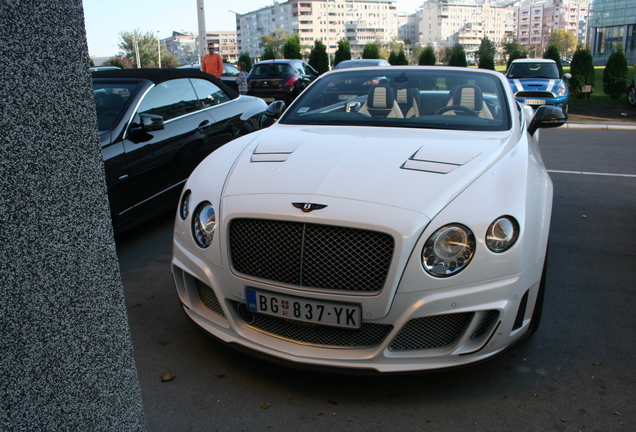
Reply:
x=110, y=101
x=411, y=97
x=271, y=69
x=533, y=70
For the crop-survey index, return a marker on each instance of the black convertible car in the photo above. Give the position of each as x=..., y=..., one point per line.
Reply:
x=155, y=126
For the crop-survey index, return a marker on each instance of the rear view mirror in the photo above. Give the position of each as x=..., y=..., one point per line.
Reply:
x=275, y=109
x=547, y=116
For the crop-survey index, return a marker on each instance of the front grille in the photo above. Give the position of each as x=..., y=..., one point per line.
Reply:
x=208, y=297
x=490, y=318
x=368, y=335
x=311, y=255
x=535, y=94
x=431, y=332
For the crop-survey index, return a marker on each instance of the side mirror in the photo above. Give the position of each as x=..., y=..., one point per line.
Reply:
x=547, y=116
x=148, y=123
x=568, y=75
x=275, y=109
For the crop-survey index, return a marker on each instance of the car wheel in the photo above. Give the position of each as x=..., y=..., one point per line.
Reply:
x=538, y=306
x=631, y=95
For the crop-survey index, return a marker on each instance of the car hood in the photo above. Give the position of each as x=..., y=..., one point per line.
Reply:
x=414, y=169
x=535, y=84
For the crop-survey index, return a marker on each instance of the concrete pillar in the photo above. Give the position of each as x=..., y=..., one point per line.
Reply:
x=66, y=360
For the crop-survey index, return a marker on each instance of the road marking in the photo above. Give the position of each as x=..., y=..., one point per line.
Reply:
x=592, y=173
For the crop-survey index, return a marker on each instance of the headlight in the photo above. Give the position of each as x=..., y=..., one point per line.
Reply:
x=203, y=224
x=448, y=251
x=561, y=89
x=502, y=234
x=184, y=205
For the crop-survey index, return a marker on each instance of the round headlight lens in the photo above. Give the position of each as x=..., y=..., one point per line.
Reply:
x=184, y=205
x=502, y=234
x=561, y=89
x=203, y=224
x=448, y=251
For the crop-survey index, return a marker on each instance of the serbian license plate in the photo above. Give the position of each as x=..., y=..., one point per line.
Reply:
x=302, y=309
x=535, y=102
x=347, y=97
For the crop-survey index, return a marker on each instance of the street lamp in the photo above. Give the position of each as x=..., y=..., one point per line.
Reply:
x=159, y=49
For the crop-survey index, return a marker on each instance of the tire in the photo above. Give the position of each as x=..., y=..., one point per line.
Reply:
x=538, y=306
x=631, y=95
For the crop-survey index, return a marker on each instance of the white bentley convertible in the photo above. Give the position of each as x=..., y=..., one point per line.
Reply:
x=393, y=219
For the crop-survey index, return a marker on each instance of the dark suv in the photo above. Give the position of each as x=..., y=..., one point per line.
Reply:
x=279, y=79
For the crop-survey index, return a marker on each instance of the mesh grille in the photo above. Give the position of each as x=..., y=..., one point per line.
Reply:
x=537, y=94
x=369, y=335
x=311, y=255
x=431, y=332
x=208, y=297
x=489, y=319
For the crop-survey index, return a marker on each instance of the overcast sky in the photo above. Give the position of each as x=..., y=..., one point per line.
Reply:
x=106, y=18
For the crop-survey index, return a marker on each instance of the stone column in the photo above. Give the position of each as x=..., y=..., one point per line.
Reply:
x=66, y=360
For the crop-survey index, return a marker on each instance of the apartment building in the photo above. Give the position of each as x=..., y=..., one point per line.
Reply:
x=446, y=22
x=358, y=21
x=185, y=46
x=535, y=21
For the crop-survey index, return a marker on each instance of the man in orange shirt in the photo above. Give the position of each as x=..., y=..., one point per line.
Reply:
x=212, y=62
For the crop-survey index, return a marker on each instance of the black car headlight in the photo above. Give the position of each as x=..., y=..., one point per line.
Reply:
x=184, y=205
x=203, y=224
x=502, y=234
x=448, y=251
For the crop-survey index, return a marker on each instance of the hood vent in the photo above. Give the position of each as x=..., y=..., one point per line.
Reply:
x=423, y=160
x=273, y=152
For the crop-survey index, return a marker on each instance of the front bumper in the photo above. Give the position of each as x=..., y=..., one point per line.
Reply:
x=423, y=330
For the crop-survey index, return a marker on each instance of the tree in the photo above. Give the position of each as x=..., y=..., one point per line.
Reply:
x=615, y=74
x=272, y=44
x=343, y=52
x=318, y=58
x=582, y=70
x=514, y=55
x=552, y=52
x=427, y=58
x=268, y=54
x=371, y=51
x=168, y=60
x=245, y=58
x=458, y=57
x=564, y=40
x=121, y=62
x=291, y=47
x=146, y=44
x=511, y=45
x=487, y=51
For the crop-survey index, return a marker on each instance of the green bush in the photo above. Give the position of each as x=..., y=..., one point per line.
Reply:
x=371, y=51
x=343, y=52
x=514, y=55
x=582, y=70
x=615, y=75
x=487, y=62
x=458, y=57
x=291, y=48
x=427, y=57
x=552, y=52
x=245, y=58
x=318, y=58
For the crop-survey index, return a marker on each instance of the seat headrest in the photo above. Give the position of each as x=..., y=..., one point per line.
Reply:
x=469, y=96
x=380, y=96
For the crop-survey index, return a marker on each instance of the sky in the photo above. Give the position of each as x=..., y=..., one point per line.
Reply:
x=106, y=18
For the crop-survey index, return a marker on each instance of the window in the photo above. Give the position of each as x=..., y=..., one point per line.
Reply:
x=170, y=99
x=209, y=94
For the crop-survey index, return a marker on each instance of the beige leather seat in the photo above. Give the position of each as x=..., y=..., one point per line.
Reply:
x=469, y=96
x=381, y=103
x=408, y=100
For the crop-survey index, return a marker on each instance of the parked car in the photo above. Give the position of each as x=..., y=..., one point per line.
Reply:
x=228, y=77
x=279, y=79
x=631, y=92
x=155, y=126
x=103, y=68
x=537, y=82
x=363, y=234
x=361, y=63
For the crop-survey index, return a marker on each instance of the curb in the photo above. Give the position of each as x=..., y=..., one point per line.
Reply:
x=568, y=125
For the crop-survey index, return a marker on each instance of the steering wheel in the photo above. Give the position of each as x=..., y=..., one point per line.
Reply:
x=457, y=108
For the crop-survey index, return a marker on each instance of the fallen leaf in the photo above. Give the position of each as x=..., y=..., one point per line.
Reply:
x=167, y=376
x=535, y=395
x=263, y=405
x=618, y=414
x=563, y=420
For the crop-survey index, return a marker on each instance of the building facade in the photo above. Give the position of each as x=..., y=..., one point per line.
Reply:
x=612, y=25
x=185, y=46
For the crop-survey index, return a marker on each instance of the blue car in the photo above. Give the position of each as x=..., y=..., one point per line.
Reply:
x=538, y=82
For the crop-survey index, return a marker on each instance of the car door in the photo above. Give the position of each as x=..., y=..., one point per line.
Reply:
x=159, y=161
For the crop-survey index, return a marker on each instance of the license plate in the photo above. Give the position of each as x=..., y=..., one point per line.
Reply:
x=535, y=102
x=347, y=97
x=302, y=309
x=269, y=99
